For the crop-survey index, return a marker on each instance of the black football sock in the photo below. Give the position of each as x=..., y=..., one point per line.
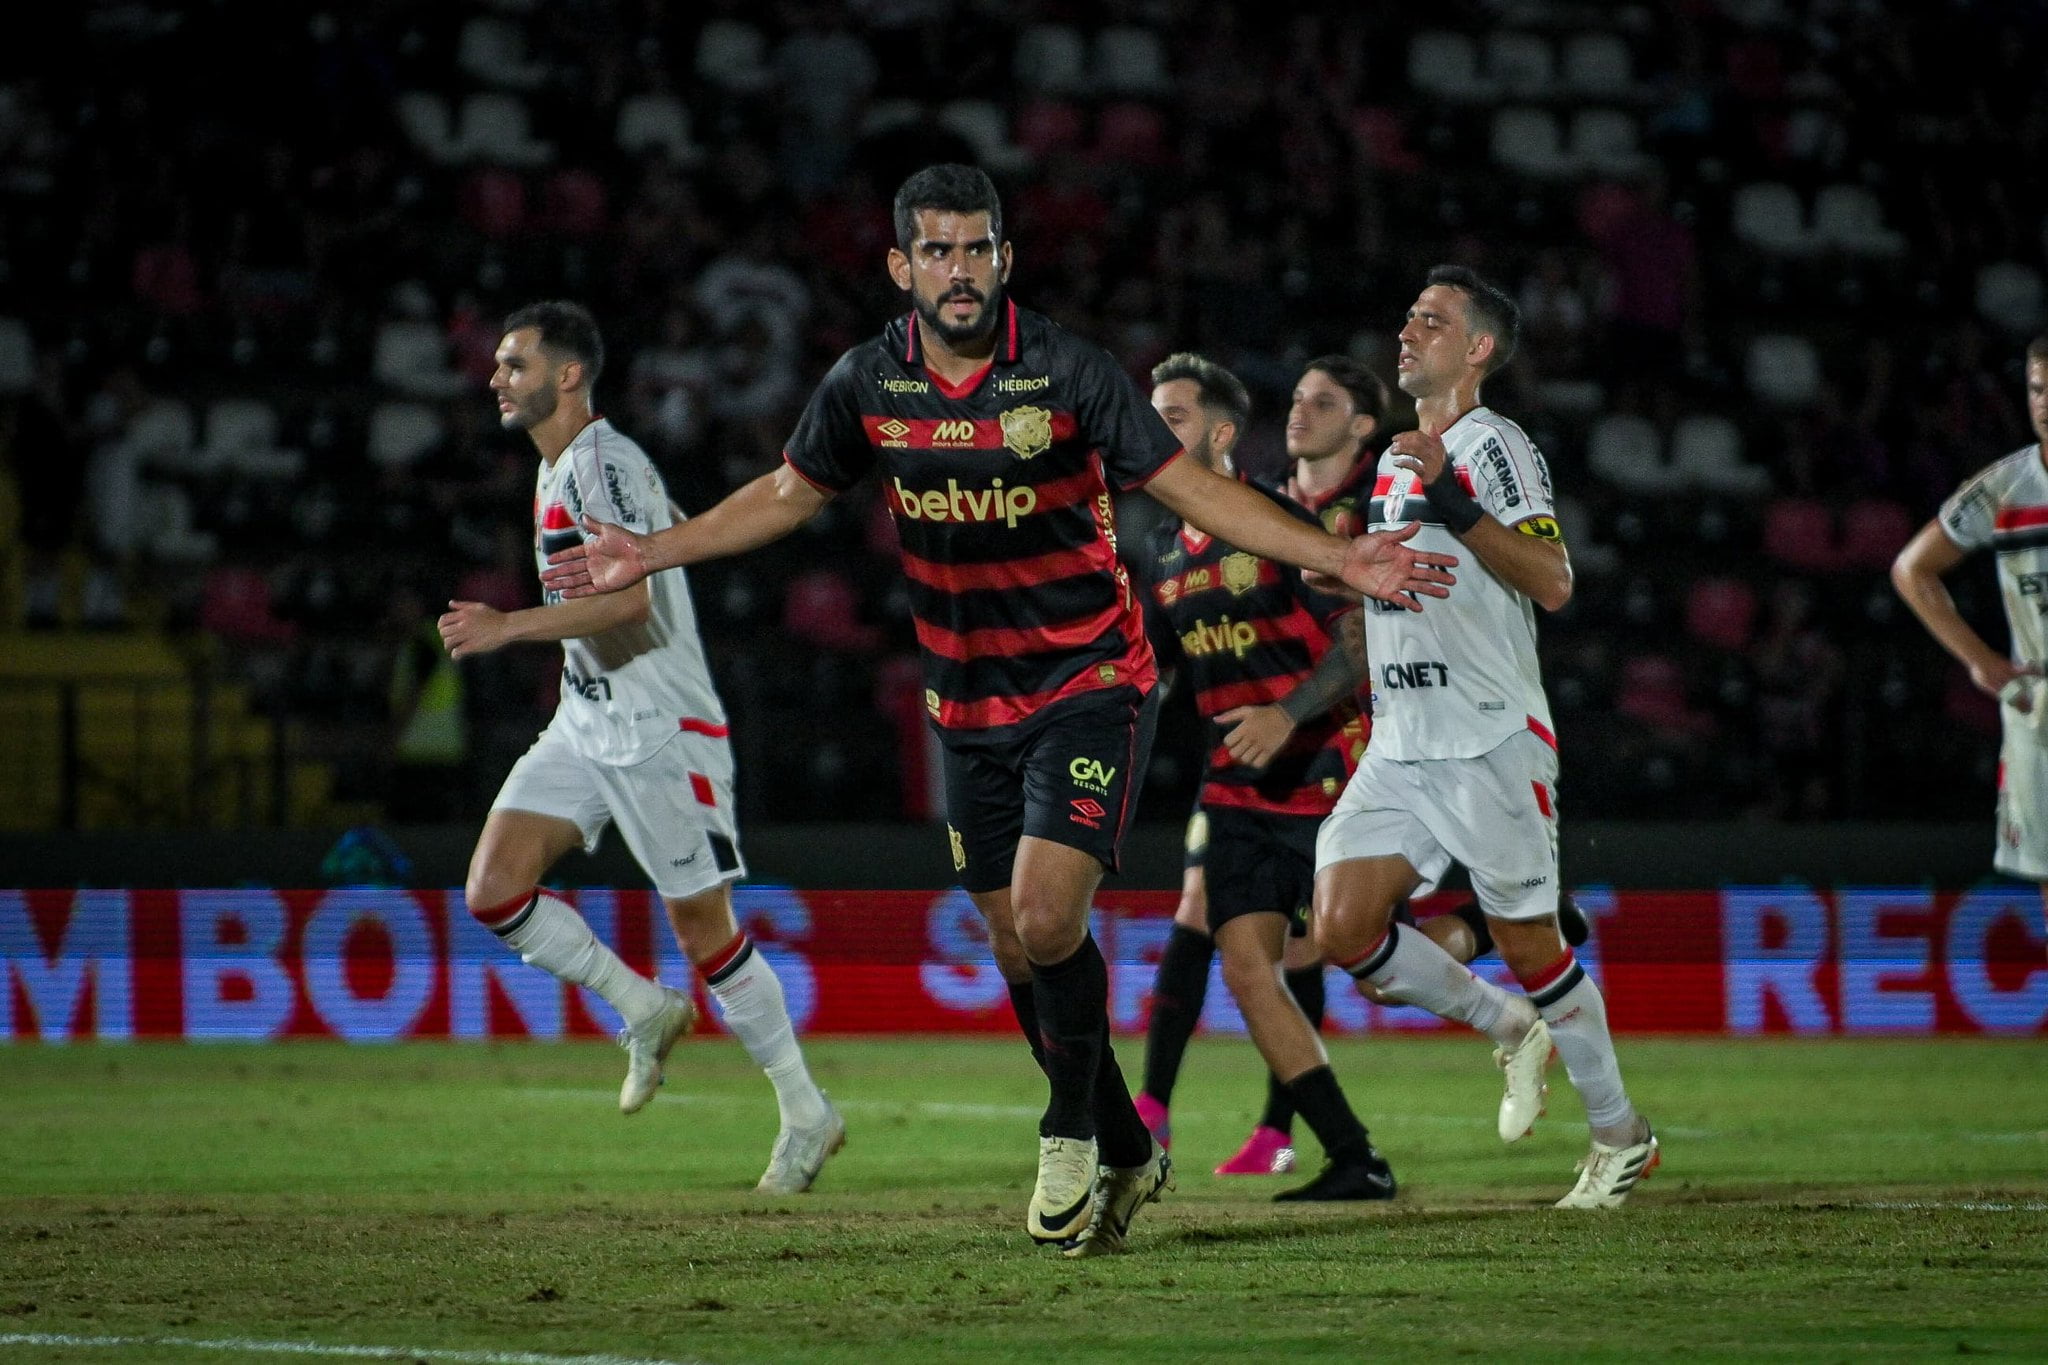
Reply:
x=1328, y=1114
x=1072, y=998
x=1121, y=1136
x=1177, y=995
x=1305, y=984
x=1026, y=1008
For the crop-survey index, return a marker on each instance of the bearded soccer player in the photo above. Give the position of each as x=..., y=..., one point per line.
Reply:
x=2003, y=508
x=1000, y=437
x=637, y=740
x=1275, y=667
x=1463, y=762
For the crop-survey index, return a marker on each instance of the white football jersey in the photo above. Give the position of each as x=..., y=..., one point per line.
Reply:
x=629, y=691
x=2005, y=507
x=1458, y=677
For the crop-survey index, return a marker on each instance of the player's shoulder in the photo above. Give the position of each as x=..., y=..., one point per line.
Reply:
x=1061, y=353
x=2017, y=469
x=1275, y=491
x=1486, y=424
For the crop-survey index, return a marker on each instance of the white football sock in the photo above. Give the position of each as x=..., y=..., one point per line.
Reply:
x=1411, y=968
x=752, y=1007
x=552, y=936
x=1572, y=1005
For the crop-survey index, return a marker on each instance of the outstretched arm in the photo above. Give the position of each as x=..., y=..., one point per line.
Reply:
x=1917, y=574
x=1378, y=565
x=751, y=516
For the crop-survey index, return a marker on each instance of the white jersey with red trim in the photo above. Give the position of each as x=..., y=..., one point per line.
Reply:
x=2005, y=507
x=1457, y=678
x=629, y=691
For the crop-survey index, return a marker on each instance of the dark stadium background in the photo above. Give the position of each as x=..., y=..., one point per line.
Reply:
x=1778, y=262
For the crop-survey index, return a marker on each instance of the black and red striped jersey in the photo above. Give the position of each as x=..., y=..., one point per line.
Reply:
x=1249, y=630
x=1001, y=492
x=1342, y=510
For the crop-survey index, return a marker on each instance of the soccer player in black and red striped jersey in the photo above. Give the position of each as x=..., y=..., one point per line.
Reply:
x=1000, y=438
x=1275, y=667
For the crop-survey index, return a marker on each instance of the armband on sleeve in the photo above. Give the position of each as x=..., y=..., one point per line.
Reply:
x=1543, y=528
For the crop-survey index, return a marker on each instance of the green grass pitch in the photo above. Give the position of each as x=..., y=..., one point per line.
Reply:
x=1838, y=1200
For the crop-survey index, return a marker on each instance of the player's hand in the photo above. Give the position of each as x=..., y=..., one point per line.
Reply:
x=1258, y=733
x=1380, y=565
x=472, y=628
x=1421, y=452
x=612, y=558
x=2007, y=681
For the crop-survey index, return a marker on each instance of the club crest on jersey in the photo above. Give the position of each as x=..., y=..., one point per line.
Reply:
x=959, y=849
x=1027, y=431
x=1240, y=572
x=931, y=702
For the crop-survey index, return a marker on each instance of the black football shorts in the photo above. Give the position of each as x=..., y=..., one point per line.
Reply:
x=1258, y=861
x=1070, y=775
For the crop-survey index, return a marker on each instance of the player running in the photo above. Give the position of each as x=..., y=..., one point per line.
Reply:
x=998, y=438
x=1337, y=407
x=638, y=739
x=1463, y=763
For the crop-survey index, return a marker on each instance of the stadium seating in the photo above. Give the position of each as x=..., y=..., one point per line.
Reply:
x=1129, y=60
x=1051, y=59
x=1521, y=65
x=732, y=56
x=1598, y=66
x=2009, y=296
x=1721, y=612
x=657, y=122
x=17, y=356
x=1783, y=370
x=402, y=432
x=1445, y=64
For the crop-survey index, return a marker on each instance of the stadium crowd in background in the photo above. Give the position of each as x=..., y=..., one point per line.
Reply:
x=1773, y=319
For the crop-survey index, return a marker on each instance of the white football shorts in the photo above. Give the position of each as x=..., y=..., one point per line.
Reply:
x=1496, y=814
x=2022, y=789
x=674, y=809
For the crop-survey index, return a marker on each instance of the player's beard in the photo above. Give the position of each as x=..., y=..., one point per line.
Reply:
x=956, y=334
x=528, y=413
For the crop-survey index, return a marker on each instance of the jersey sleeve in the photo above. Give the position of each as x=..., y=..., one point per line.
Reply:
x=1971, y=513
x=612, y=480
x=1134, y=440
x=1512, y=481
x=830, y=445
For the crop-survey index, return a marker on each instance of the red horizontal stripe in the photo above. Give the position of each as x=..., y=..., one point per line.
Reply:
x=1302, y=801
x=556, y=518
x=2019, y=518
x=961, y=646
x=1214, y=701
x=951, y=433
x=1008, y=573
x=1542, y=799
x=1542, y=732
x=692, y=725
x=1135, y=668
x=1550, y=975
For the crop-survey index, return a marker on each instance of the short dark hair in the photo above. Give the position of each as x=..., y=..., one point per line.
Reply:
x=566, y=329
x=1494, y=311
x=949, y=188
x=1368, y=392
x=2037, y=349
x=1222, y=392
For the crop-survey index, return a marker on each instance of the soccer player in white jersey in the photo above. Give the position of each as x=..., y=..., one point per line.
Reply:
x=2004, y=508
x=1463, y=762
x=638, y=740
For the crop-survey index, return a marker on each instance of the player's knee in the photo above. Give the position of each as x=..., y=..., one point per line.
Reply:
x=1249, y=975
x=1048, y=932
x=489, y=890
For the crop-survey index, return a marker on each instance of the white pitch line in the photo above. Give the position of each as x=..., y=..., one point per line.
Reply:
x=314, y=1348
x=1962, y=1205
